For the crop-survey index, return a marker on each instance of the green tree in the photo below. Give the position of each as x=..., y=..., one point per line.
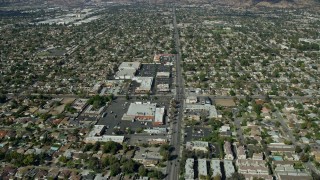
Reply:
x=111, y=147
x=115, y=169
x=29, y=159
x=69, y=108
x=257, y=108
x=96, y=146
x=236, y=176
x=232, y=93
x=3, y=98
x=142, y=171
x=87, y=147
x=307, y=148
x=63, y=159
x=202, y=76
x=129, y=166
x=287, y=142
x=93, y=163
x=304, y=158
x=298, y=149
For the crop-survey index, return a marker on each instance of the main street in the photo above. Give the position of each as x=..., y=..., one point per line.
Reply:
x=174, y=165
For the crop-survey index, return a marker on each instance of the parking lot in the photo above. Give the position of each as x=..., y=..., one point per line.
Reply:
x=150, y=70
x=147, y=70
x=166, y=59
x=196, y=133
x=119, y=107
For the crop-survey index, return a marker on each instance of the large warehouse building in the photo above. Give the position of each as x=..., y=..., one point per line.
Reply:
x=145, y=112
x=127, y=70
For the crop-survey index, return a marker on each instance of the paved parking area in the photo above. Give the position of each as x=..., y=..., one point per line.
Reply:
x=119, y=107
x=195, y=133
x=165, y=59
x=147, y=70
x=215, y=150
x=150, y=70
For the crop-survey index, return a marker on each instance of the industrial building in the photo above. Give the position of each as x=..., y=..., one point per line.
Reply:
x=96, y=88
x=157, y=141
x=127, y=70
x=163, y=74
x=198, y=107
x=90, y=111
x=145, y=84
x=197, y=145
x=145, y=112
x=96, y=134
x=158, y=119
x=191, y=100
x=163, y=88
x=156, y=130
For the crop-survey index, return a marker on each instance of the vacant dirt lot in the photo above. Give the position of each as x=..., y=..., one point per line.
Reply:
x=225, y=102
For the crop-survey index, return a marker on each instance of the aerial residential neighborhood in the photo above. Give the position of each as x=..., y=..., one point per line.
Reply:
x=171, y=90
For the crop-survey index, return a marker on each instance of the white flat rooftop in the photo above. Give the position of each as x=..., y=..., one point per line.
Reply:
x=141, y=109
x=130, y=65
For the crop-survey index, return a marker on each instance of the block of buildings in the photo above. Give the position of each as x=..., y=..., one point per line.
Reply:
x=157, y=141
x=198, y=107
x=228, y=168
x=224, y=128
x=215, y=166
x=250, y=162
x=189, y=169
x=163, y=74
x=197, y=145
x=255, y=176
x=145, y=112
x=96, y=88
x=163, y=88
x=253, y=170
x=202, y=168
x=96, y=134
x=280, y=148
x=241, y=153
x=149, y=157
x=156, y=130
x=156, y=58
x=127, y=70
x=257, y=156
x=158, y=118
x=145, y=84
x=79, y=104
x=89, y=111
x=228, y=151
x=191, y=99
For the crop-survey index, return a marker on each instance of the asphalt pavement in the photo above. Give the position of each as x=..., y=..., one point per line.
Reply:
x=174, y=166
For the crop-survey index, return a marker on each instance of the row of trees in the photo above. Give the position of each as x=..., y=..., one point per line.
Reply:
x=99, y=101
x=115, y=164
x=19, y=159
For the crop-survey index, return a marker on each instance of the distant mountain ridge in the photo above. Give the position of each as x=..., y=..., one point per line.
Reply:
x=239, y=3
x=272, y=3
x=38, y=2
